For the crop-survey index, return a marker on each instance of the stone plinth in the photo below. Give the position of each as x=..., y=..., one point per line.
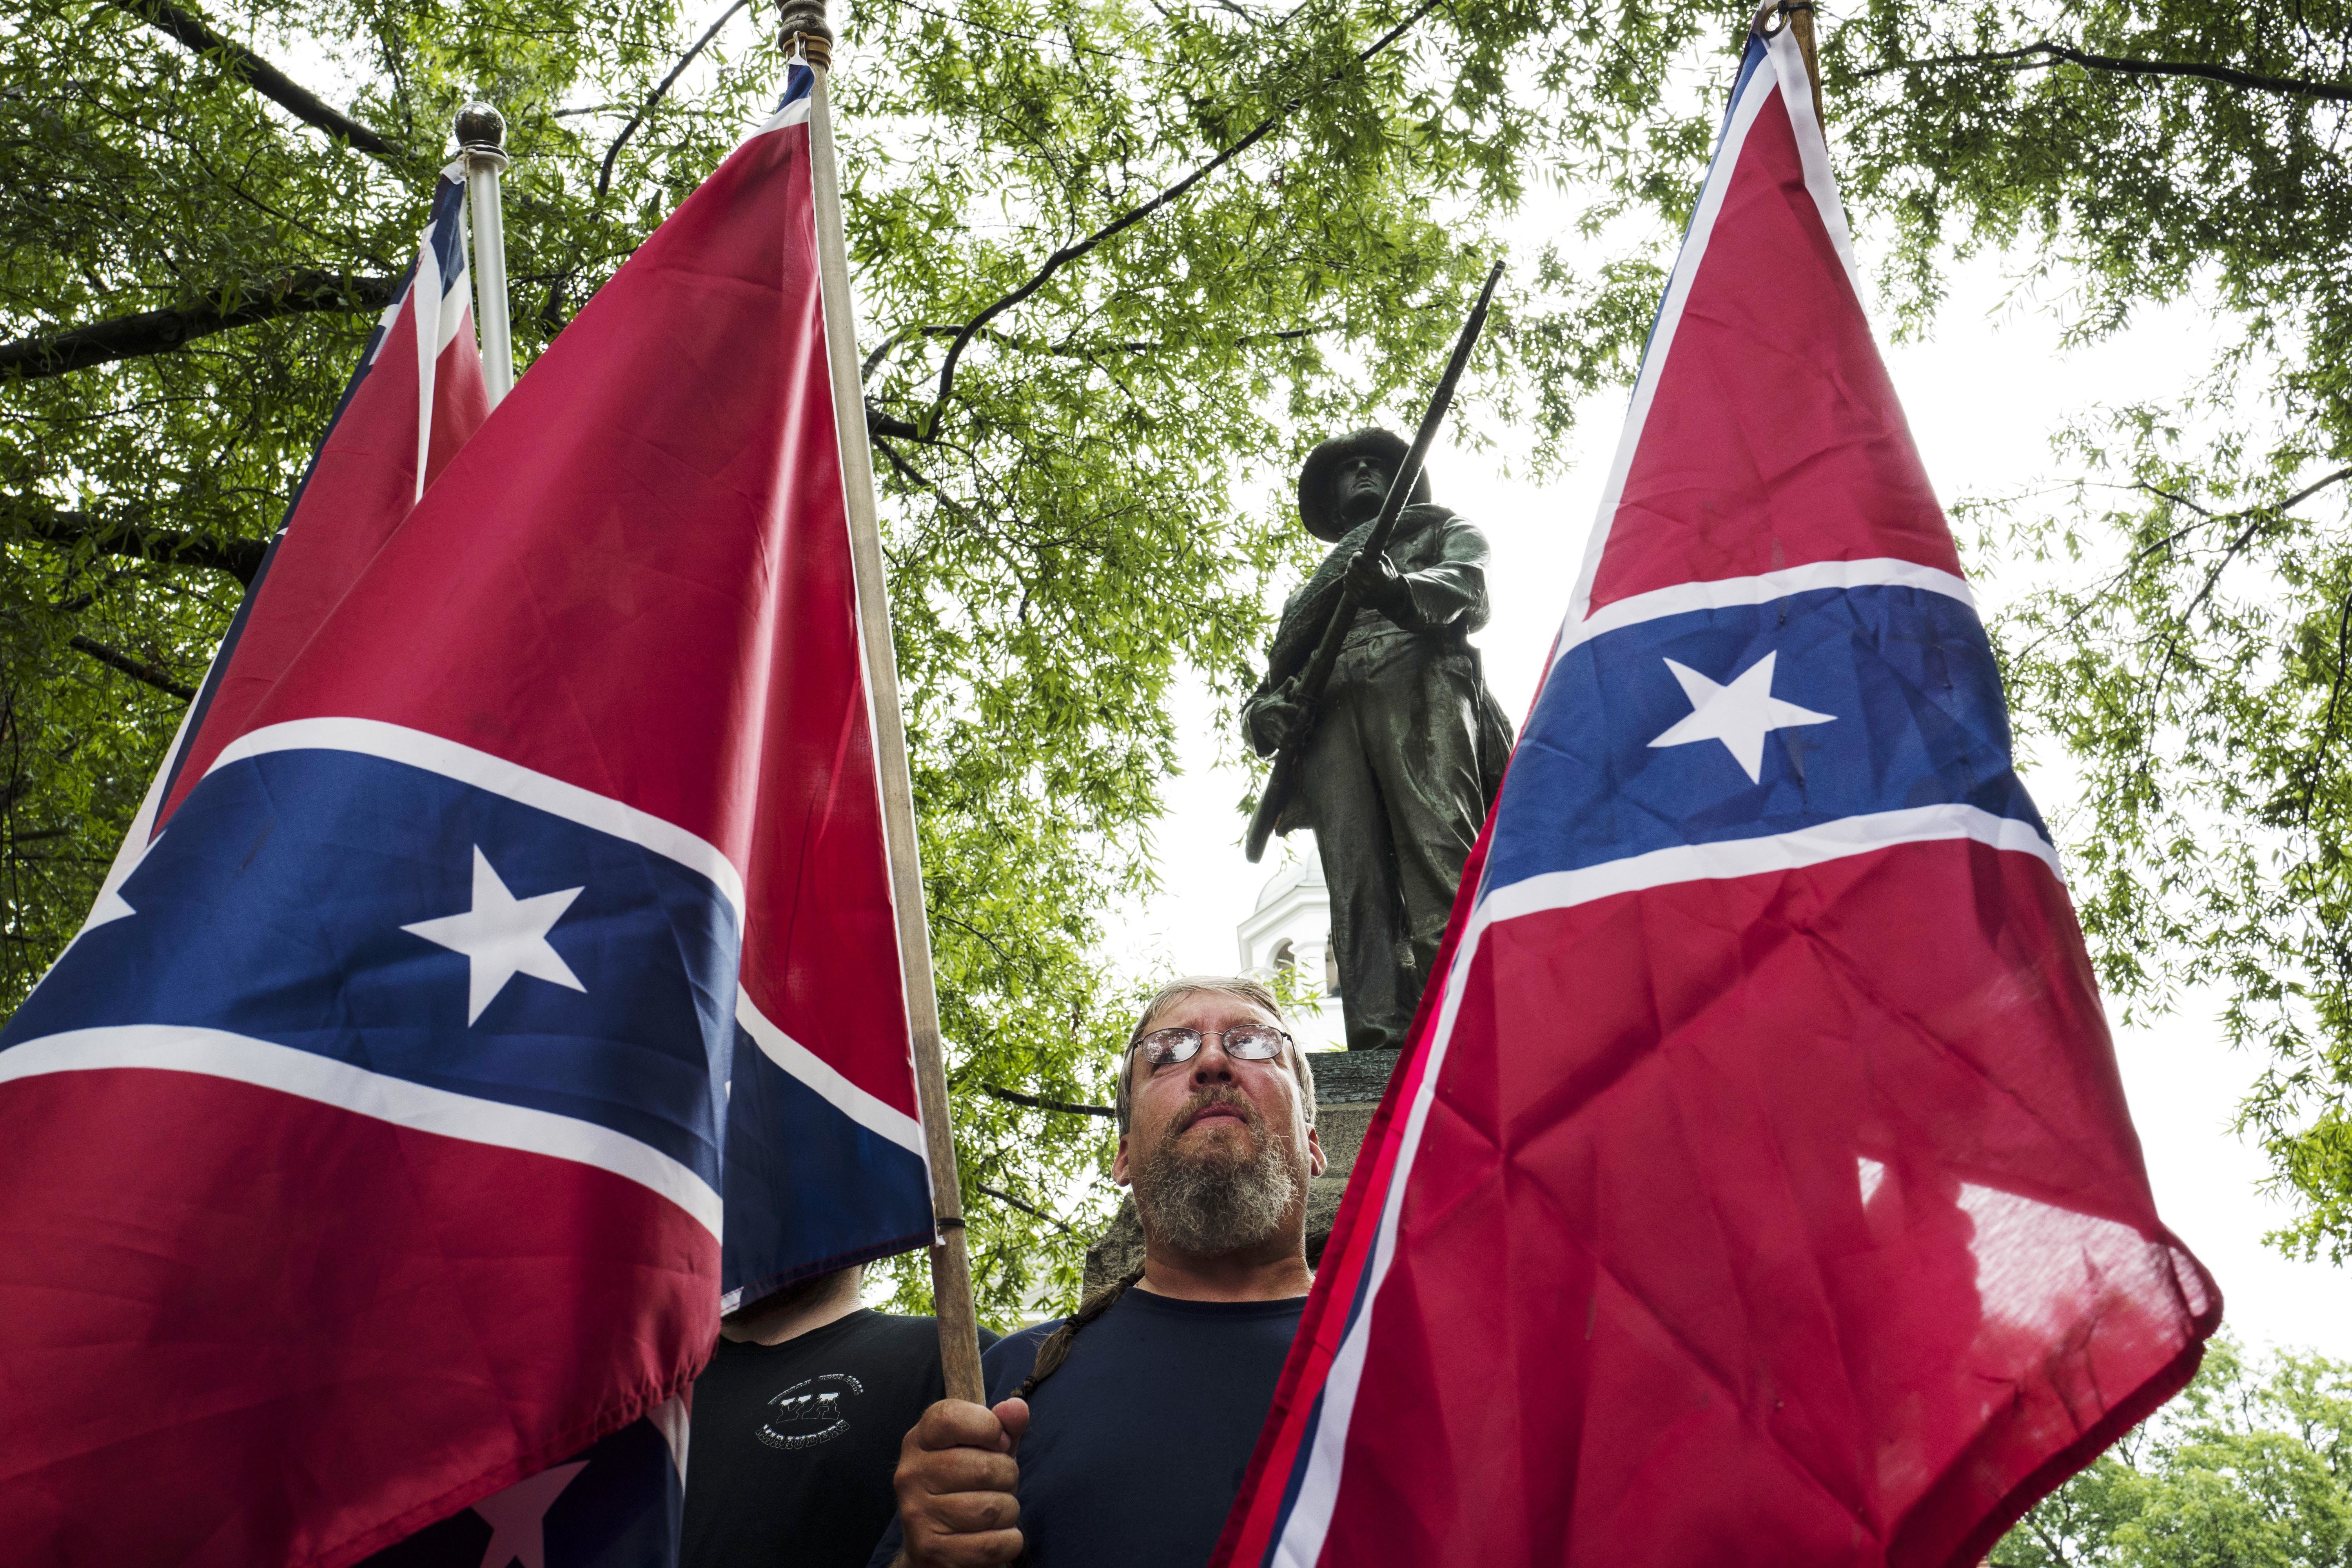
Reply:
x=1347, y=1089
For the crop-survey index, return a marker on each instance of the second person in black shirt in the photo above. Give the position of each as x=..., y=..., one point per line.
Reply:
x=796, y=1425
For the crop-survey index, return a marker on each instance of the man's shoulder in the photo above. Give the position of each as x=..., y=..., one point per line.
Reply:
x=1006, y=1363
x=1442, y=520
x=1022, y=1343
x=1433, y=523
x=913, y=1332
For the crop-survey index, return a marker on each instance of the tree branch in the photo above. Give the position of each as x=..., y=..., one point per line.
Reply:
x=160, y=332
x=1133, y=215
x=2333, y=92
x=1068, y=349
x=1029, y=1209
x=137, y=668
x=2313, y=488
x=1012, y=1097
x=551, y=314
x=2049, y=1543
x=2258, y=516
x=604, y=178
x=881, y=423
x=2205, y=515
x=240, y=558
x=259, y=75
x=2334, y=691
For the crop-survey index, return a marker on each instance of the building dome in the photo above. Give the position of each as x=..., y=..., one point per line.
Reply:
x=1306, y=872
x=1289, y=927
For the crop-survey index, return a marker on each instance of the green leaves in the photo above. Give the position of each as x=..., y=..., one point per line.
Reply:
x=2252, y=1467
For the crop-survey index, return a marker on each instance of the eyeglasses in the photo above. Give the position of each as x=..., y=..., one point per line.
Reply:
x=1243, y=1042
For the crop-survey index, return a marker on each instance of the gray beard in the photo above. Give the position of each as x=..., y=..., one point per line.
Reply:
x=1212, y=1205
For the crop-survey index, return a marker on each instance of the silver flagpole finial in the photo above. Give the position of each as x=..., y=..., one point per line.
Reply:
x=801, y=24
x=481, y=145
x=481, y=130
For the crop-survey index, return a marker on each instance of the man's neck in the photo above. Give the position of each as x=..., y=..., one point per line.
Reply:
x=771, y=1323
x=1257, y=1275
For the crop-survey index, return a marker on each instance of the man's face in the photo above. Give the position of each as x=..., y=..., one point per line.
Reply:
x=1363, y=484
x=1216, y=1116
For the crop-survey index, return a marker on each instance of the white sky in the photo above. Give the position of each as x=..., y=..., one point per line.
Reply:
x=1982, y=397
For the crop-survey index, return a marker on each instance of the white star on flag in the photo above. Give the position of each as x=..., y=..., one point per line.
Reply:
x=1739, y=715
x=517, y=1516
x=502, y=936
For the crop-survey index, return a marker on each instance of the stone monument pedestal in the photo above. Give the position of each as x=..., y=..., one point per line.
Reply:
x=1347, y=1089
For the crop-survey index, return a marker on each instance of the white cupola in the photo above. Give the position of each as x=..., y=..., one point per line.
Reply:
x=1291, y=928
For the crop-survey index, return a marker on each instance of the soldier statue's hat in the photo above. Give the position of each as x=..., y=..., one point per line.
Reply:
x=1314, y=480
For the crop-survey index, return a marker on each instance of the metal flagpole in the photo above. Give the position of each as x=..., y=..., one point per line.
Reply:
x=802, y=25
x=481, y=133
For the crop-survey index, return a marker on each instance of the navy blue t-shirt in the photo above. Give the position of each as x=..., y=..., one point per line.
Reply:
x=1136, y=1446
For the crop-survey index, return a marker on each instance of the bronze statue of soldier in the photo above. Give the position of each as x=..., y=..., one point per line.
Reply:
x=1407, y=745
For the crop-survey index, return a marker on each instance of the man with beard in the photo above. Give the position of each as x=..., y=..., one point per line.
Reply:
x=1119, y=1435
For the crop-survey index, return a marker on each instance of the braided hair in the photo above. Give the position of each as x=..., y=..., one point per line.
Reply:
x=1056, y=1348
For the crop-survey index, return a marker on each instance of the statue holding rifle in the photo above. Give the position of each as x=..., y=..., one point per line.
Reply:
x=1384, y=738
x=1401, y=751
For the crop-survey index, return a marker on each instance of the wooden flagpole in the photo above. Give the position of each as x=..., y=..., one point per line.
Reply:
x=802, y=25
x=1799, y=15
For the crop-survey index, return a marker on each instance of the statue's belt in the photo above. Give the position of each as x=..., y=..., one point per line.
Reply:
x=1373, y=629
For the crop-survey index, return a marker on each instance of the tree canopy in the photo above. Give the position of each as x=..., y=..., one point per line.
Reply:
x=1118, y=266
x=2189, y=645
x=2251, y=1467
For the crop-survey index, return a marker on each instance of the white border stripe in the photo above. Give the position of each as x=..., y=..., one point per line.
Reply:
x=1761, y=86
x=427, y=294
x=820, y=1078
x=420, y=1108
x=840, y=317
x=1756, y=856
x=396, y=743
x=1300, y=1542
x=1735, y=593
x=1813, y=151
x=796, y=113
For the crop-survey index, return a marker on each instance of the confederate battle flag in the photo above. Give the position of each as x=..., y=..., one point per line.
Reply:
x=1758, y=1188
x=507, y=974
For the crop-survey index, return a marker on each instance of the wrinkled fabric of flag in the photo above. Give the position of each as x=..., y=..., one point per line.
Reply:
x=1759, y=1187
x=506, y=973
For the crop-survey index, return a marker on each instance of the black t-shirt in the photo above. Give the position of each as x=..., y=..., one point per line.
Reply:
x=1136, y=1445
x=793, y=1445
